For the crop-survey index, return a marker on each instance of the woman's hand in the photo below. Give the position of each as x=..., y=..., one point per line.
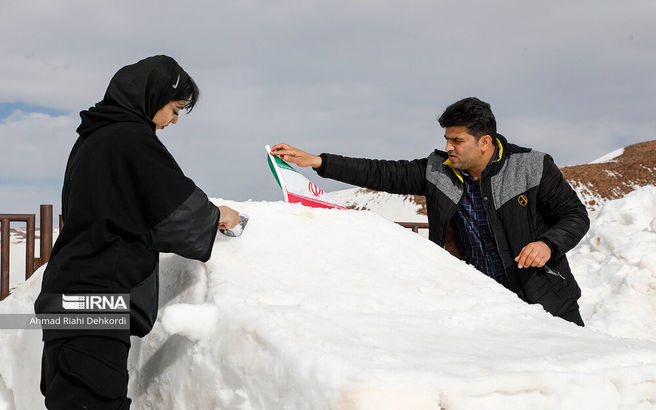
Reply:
x=229, y=217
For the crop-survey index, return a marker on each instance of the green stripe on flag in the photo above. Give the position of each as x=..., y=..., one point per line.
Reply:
x=283, y=164
x=273, y=171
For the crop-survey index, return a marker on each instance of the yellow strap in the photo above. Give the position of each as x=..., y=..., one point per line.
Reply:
x=458, y=174
x=500, y=150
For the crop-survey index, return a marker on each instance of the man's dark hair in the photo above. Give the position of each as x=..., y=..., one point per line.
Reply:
x=472, y=113
x=188, y=91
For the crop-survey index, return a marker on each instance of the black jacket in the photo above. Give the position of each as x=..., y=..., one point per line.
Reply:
x=526, y=199
x=124, y=200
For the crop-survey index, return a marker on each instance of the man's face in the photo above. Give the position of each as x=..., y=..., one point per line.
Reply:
x=168, y=114
x=462, y=148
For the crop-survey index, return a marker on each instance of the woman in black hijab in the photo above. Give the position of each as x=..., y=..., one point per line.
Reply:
x=124, y=200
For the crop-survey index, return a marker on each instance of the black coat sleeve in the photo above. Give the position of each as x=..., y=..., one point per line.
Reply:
x=178, y=217
x=189, y=230
x=397, y=177
x=561, y=209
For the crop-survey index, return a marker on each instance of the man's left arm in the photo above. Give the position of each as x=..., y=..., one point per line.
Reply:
x=564, y=213
x=561, y=209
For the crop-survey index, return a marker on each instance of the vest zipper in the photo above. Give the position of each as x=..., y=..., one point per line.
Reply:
x=553, y=272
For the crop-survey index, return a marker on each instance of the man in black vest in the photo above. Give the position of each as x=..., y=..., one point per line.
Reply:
x=513, y=214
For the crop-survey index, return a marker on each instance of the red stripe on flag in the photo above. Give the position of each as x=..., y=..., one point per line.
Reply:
x=311, y=202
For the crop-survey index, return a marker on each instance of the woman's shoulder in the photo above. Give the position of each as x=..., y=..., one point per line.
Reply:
x=124, y=140
x=127, y=136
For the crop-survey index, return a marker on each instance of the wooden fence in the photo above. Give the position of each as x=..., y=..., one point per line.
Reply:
x=31, y=262
x=415, y=226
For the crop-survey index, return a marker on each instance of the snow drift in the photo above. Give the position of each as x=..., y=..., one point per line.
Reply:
x=615, y=265
x=328, y=309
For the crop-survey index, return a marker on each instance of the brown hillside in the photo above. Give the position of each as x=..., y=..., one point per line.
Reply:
x=636, y=167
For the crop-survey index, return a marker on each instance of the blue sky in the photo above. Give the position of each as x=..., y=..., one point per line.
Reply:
x=364, y=78
x=6, y=108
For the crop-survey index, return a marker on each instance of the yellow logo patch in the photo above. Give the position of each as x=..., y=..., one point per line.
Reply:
x=522, y=199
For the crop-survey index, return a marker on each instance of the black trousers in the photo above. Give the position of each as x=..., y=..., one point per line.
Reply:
x=85, y=372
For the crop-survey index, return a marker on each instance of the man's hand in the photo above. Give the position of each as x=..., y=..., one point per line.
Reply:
x=535, y=254
x=296, y=156
x=229, y=217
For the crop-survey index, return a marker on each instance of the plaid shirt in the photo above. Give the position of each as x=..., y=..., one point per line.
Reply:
x=475, y=239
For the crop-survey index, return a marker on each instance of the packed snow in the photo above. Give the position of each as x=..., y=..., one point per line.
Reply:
x=328, y=309
x=615, y=265
x=588, y=195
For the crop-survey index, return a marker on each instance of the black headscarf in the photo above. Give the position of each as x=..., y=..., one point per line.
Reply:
x=136, y=93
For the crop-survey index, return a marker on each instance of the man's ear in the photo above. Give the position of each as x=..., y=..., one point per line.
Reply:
x=484, y=142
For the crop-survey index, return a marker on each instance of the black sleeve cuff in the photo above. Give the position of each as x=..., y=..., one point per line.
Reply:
x=550, y=245
x=322, y=169
x=215, y=230
x=189, y=230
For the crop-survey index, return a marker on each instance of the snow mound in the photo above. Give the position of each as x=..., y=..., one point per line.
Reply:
x=319, y=309
x=616, y=267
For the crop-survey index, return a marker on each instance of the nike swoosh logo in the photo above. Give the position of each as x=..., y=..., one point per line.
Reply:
x=176, y=82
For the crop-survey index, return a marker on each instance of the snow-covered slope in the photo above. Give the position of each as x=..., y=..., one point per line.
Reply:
x=608, y=157
x=615, y=265
x=399, y=208
x=327, y=309
x=614, y=175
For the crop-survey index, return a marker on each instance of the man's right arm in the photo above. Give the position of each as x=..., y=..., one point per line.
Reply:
x=398, y=177
x=176, y=216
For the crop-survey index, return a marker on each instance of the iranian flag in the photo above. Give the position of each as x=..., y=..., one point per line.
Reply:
x=295, y=187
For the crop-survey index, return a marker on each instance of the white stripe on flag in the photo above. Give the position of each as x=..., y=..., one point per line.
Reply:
x=296, y=188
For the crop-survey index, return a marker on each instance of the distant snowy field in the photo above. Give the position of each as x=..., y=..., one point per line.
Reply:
x=398, y=208
x=326, y=309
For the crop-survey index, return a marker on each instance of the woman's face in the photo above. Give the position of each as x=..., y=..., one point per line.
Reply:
x=168, y=114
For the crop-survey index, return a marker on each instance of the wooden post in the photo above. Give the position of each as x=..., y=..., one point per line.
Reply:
x=46, y=233
x=30, y=261
x=415, y=226
x=4, y=256
x=29, y=246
